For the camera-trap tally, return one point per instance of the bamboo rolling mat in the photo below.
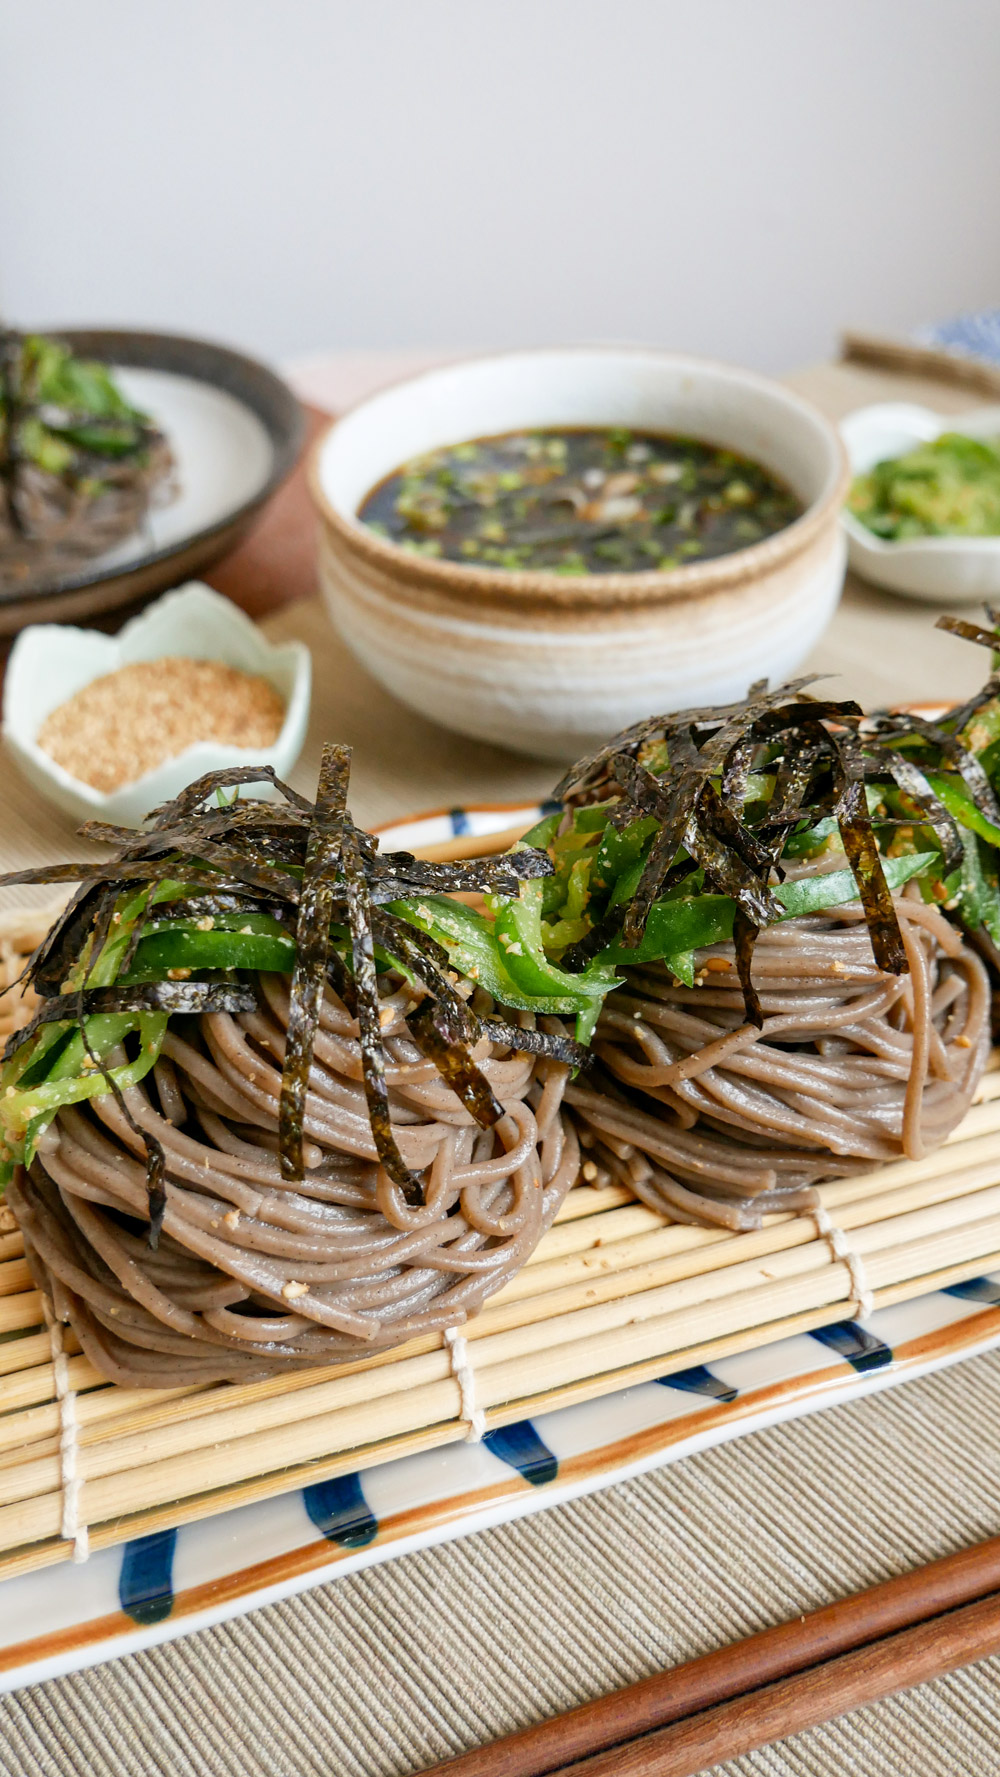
(613, 1295)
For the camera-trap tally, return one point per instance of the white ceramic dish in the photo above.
(551, 665)
(174, 1581)
(222, 451)
(941, 570)
(50, 662)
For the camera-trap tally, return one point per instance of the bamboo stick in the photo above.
(18, 1312)
(585, 1200)
(14, 1277)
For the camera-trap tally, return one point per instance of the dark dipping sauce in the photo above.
(588, 501)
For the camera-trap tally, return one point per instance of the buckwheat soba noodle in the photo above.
(709, 1119)
(259, 1122)
(252, 1272)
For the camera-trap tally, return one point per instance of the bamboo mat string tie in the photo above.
(72, 1530)
(841, 1249)
(461, 1369)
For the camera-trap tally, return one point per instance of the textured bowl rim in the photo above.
(455, 582)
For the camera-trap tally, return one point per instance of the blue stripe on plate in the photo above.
(975, 1289)
(699, 1380)
(145, 1583)
(550, 806)
(340, 1511)
(459, 821)
(862, 1349)
(521, 1447)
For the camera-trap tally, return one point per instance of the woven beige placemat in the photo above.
(392, 1668)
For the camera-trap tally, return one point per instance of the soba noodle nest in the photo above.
(707, 1119)
(62, 525)
(254, 1274)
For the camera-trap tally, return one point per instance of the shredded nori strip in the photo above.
(973, 632)
(821, 756)
(184, 997)
(454, 1064)
(745, 935)
(309, 868)
(909, 778)
(312, 935)
(863, 856)
(369, 1014)
(537, 1042)
(966, 764)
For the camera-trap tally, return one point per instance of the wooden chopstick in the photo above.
(746, 1678)
(806, 1699)
(904, 357)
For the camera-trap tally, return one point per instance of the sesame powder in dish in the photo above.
(128, 722)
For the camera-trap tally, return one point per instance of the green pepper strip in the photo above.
(471, 942)
(676, 927)
(959, 803)
(255, 941)
(27, 1113)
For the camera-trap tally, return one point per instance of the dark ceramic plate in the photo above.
(235, 430)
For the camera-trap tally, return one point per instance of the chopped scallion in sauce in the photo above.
(595, 501)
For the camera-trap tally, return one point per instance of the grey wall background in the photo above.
(725, 177)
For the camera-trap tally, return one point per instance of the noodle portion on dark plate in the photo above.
(79, 465)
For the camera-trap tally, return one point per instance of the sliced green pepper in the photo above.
(676, 927)
(953, 793)
(518, 931)
(252, 941)
(473, 945)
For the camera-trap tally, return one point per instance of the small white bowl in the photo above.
(50, 662)
(550, 664)
(941, 570)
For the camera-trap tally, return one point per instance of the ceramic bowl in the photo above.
(941, 570)
(50, 662)
(551, 665)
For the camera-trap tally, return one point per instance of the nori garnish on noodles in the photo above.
(821, 760)
(302, 872)
(317, 892)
